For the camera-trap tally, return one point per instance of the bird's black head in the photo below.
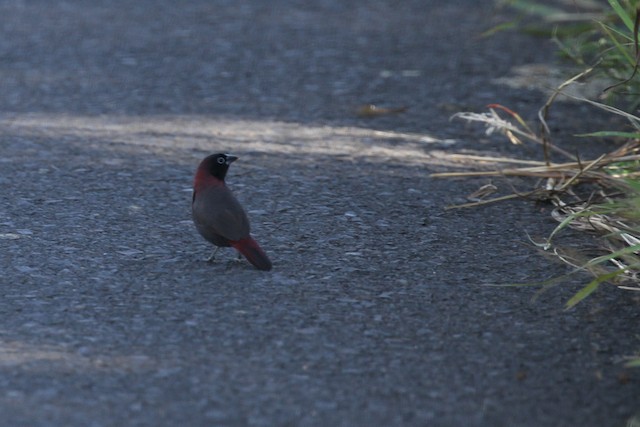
(218, 164)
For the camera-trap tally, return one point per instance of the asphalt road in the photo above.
(375, 313)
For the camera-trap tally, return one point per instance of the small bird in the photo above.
(218, 215)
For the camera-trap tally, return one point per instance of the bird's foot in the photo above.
(235, 261)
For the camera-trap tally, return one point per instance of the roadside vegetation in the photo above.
(597, 195)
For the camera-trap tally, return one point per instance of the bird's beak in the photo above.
(231, 159)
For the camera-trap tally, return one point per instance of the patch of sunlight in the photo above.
(162, 133)
(17, 354)
(546, 78)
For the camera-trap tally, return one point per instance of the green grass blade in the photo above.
(604, 258)
(611, 133)
(624, 16)
(623, 50)
(498, 28)
(634, 184)
(582, 294)
(613, 30)
(565, 222)
(535, 8)
(591, 288)
(633, 363)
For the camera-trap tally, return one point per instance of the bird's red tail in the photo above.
(253, 253)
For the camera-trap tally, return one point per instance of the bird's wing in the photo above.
(220, 212)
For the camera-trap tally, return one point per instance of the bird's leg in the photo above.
(213, 255)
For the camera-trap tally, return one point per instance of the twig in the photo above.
(544, 112)
(482, 202)
(581, 172)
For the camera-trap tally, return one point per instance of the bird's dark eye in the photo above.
(221, 160)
